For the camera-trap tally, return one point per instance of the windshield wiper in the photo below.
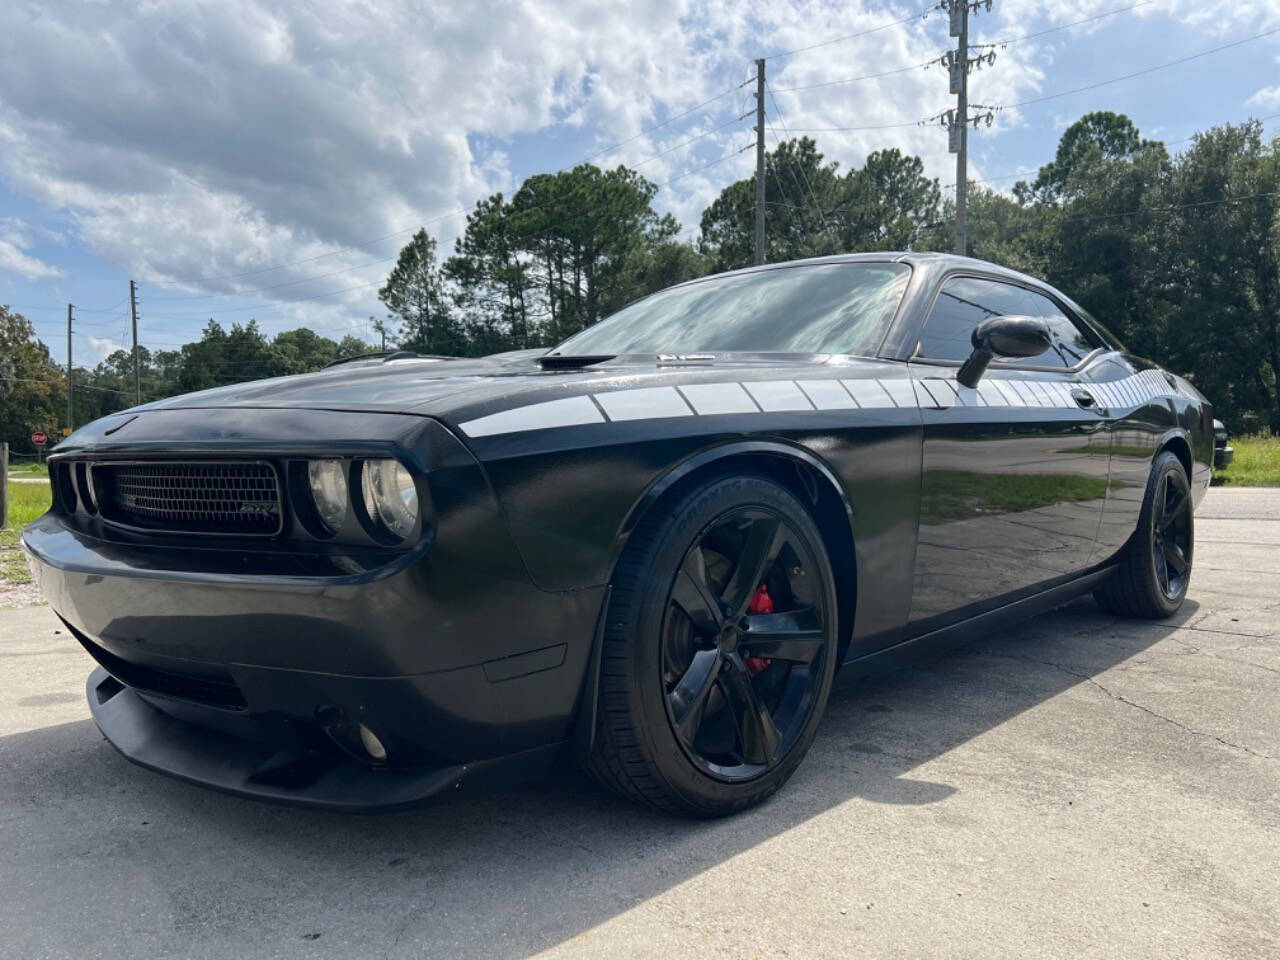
(550, 362)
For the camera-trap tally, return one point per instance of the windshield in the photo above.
(822, 308)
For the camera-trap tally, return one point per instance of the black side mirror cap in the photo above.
(1003, 337)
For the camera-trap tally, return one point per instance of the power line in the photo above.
(853, 36)
(1063, 93)
(61, 380)
(993, 43)
(1167, 143)
(1172, 207)
(223, 365)
(867, 76)
(822, 217)
(656, 126)
(1144, 72)
(277, 286)
(1065, 26)
(60, 309)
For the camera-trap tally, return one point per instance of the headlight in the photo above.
(390, 495)
(329, 490)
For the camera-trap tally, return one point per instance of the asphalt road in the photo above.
(1078, 786)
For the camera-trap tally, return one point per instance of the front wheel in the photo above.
(719, 650)
(1155, 570)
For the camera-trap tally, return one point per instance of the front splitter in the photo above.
(153, 739)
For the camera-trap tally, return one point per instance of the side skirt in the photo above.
(954, 635)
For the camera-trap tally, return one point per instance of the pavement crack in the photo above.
(399, 934)
(1111, 694)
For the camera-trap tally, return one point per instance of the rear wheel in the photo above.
(719, 650)
(1155, 571)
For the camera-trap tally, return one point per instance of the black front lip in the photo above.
(281, 774)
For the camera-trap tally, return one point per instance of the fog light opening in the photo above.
(354, 738)
(372, 745)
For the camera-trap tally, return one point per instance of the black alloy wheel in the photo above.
(1171, 541)
(743, 644)
(1154, 569)
(719, 648)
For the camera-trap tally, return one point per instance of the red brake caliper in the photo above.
(761, 602)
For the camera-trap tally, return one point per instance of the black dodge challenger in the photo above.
(650, 550)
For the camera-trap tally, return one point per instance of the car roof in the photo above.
(935, 263)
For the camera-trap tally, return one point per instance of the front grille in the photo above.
(211, 498)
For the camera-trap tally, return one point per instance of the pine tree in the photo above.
(415, 294)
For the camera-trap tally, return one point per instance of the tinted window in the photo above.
(964, 302)
(827, 308)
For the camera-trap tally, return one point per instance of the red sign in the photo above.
(39, 438)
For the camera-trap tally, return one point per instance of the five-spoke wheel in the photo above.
(1155, 567)
(719, 648)
(1171, 540)
(743, 643)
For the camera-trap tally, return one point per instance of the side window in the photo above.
(964, 302)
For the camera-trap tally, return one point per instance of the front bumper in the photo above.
(233, 652)
(286, 774)
(222, 673)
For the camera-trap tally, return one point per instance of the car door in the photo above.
(1014, 471)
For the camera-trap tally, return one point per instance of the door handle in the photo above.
(1086, 400)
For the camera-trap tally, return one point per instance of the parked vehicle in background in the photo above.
(1222, 452)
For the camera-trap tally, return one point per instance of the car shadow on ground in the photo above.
(498, 874)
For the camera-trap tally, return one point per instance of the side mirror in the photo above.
(1003, 337)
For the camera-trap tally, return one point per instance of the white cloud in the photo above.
(185, 139)
(17, 236)
(99, 349)
(1266, 97)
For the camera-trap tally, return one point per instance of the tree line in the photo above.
(1178, 254)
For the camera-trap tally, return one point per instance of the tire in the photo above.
(1141, 586)
(679, 725)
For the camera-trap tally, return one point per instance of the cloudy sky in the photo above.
(243, 159)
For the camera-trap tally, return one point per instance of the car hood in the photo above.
(398, 386)
(456, 388)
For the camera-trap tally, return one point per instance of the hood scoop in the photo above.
(572, 363)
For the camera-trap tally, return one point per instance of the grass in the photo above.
(955, 495)
(1256, 463)
(27, 468)
(26, 502)
(13, 567)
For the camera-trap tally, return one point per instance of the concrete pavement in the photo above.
(1076, 786)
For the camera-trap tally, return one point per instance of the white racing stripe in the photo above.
(711, 398)
(785, 396)
(827, 395)
(868, 393)
(643, 403)
(778, 396)
(569, 412)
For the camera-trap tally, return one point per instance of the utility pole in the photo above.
(760, 161)
(958, 63)
(133, 316)
(961, 65)
(70, 422)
